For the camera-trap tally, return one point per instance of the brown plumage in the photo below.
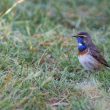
(94, 51)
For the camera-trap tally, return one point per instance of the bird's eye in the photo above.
(81, 37)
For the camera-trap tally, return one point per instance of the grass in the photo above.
(39, 69)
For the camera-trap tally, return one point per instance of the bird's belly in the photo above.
(89, 62)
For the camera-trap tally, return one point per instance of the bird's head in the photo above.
(83, 39)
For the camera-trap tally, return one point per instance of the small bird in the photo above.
(88, 54)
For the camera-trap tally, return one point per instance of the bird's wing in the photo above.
(97, 55)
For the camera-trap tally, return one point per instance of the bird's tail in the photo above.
(108, 66)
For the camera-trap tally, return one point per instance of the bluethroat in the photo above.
(88, 54)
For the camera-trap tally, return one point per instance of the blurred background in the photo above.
(37, 16)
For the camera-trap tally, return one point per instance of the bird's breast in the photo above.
(88, 61)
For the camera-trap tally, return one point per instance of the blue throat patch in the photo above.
(81, 45)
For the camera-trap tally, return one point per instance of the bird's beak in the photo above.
(74, 36)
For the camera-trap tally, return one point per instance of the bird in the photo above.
(89, 55)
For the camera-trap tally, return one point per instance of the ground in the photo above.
(39, 68)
